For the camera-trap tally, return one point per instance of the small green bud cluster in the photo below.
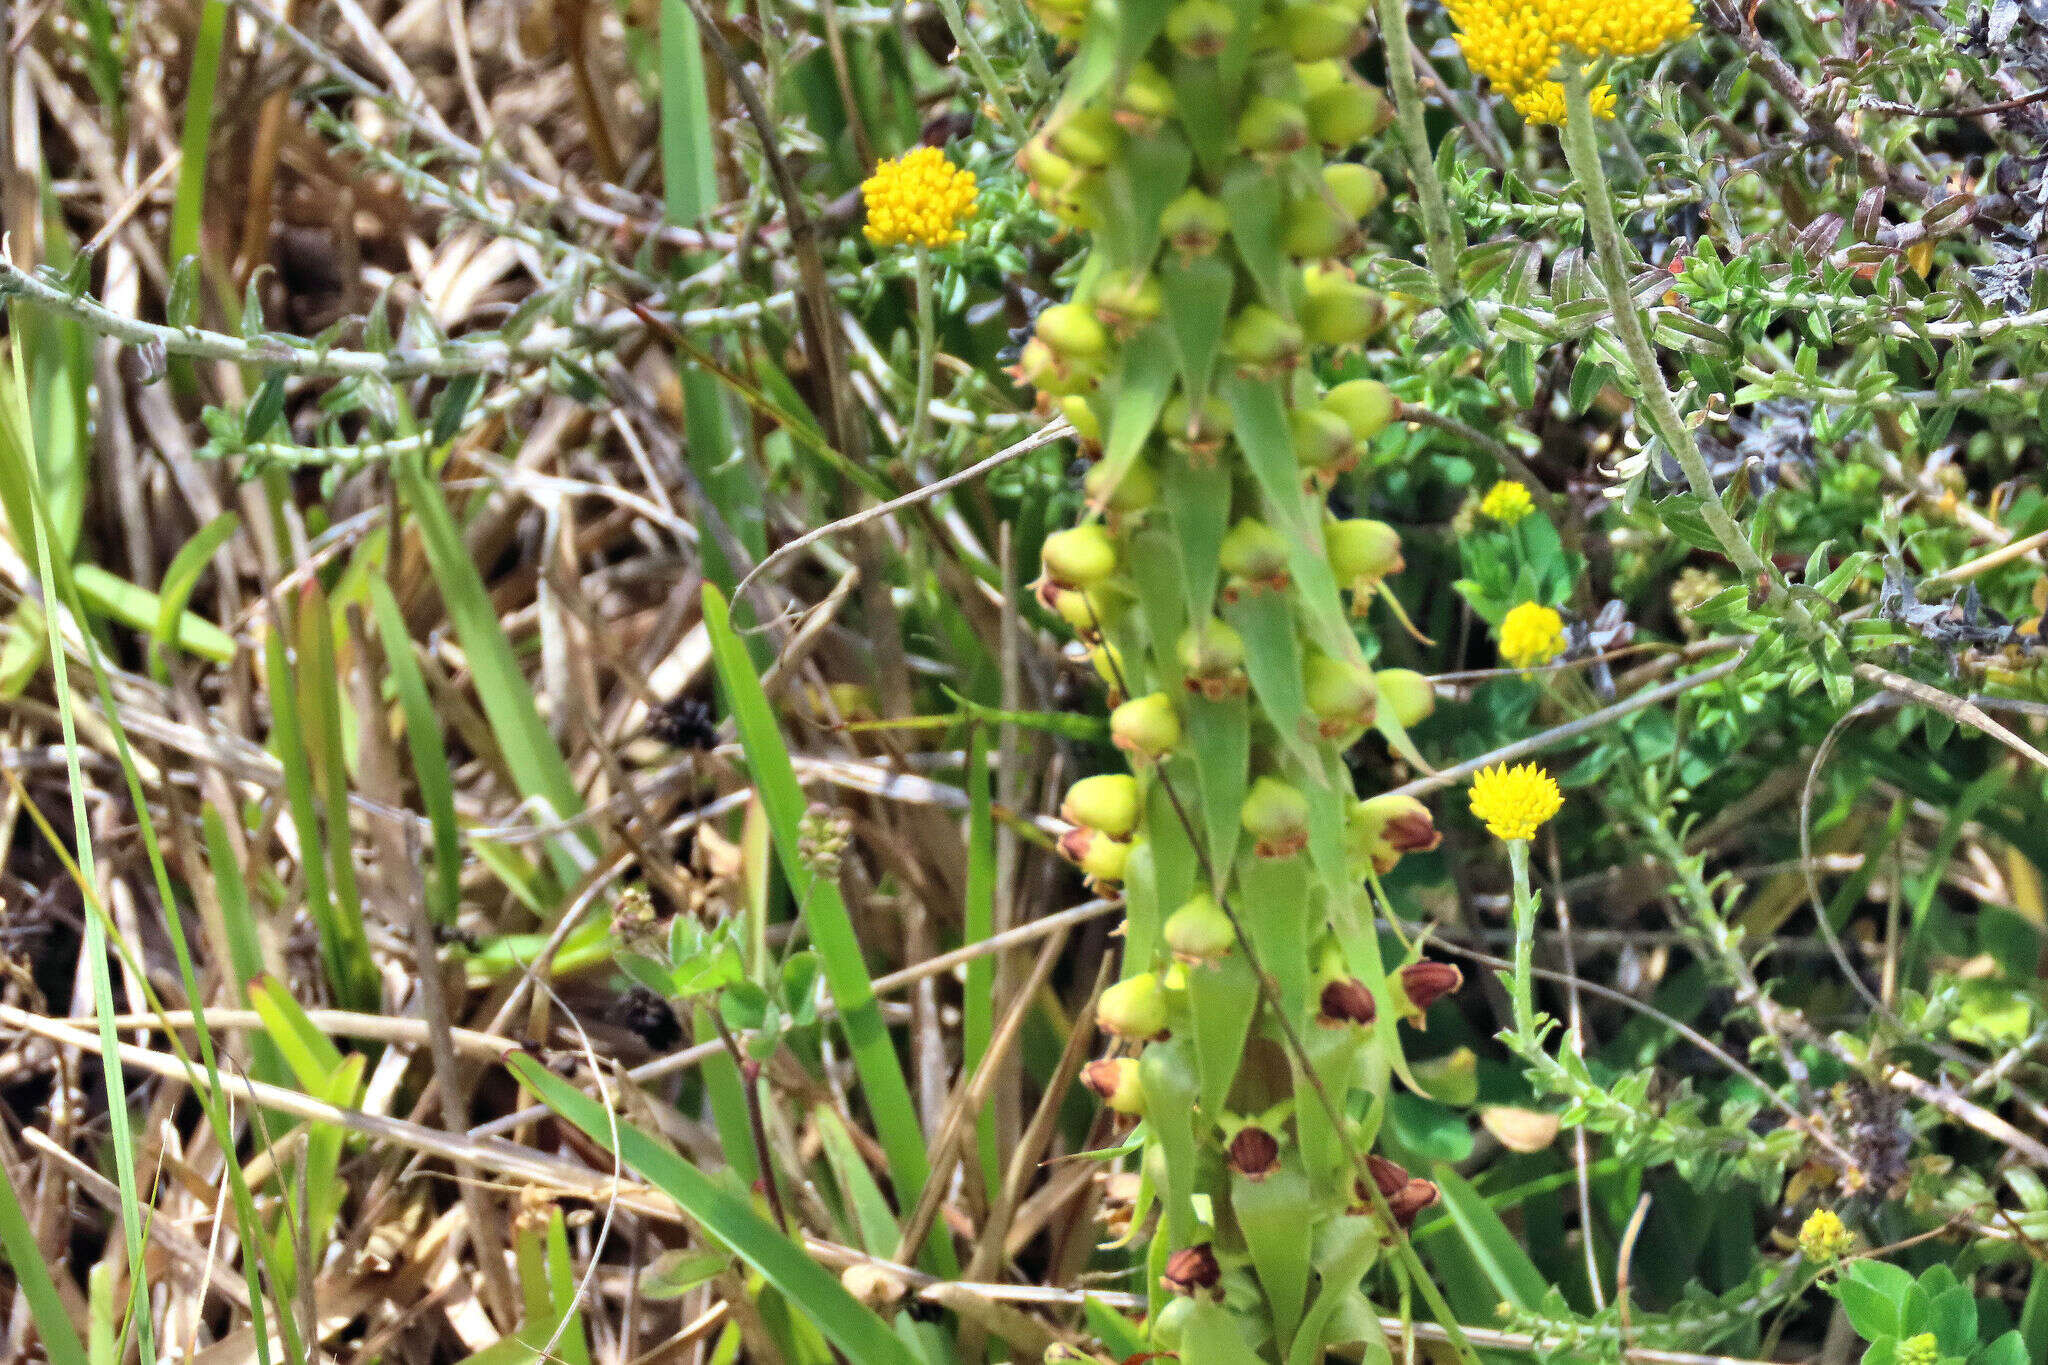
(1233, 124)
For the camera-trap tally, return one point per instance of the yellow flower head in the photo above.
(1924, 1349)
(1514, 802)
(1518, 44)
(918, 199)
(1531, 634)
(1507, 502)
(1823, 1238)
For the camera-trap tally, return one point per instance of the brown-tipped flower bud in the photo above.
(1088, 137)
(1411, 1199)
(1425, 983)
(1193, 1271)
(1201, 28)
(1126, 300)
(1313, 228)
(1362, 552)
(1197, 432)
(1272, 127)
(1079, 557)
(1390, 1176)
(1254, 1152)
(1318, 31)
(1199, 932)
(1275, 814)
(1073, 333)
(1340, 694)
(1346, 1001)
(1406, 694)
(1100, 858)
(1358, 190)
(1262, 342)
(1194, 224)
(1381, 829)
(1253, 553)
(1135, 1008)
(1147, 728)
(1115, 1081)
(1122, 492)
(1146, 99)
(1323, 443)
(1339, 312)
(1366, 405)
(1107, 802)
(1347, 115)
(1211, 654)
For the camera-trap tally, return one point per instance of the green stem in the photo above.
(1582, 153)
(1441, 241)
(927, 357)
(978, 63)
(1526, 902)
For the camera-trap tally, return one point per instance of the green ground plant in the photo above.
(1256, 680)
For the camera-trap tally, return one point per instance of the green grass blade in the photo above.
(978, 1004)
(831, 928)
(179, 581)
(536, 765)
(32, 1274)
(429, 756)
(816, 1292)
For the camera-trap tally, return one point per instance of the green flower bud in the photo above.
(1080, 415)
(1340, 694)
(1147, 728)
(1106, 803)
(1318, 78)
(1079, 557)
(1088, 137)
(1408, 696)
(1254, 553)
(1346, 116)
(1194, 223)
(1199, 932)
(1263, 342)
(1276, 816)
(1146, 99)
(1362, 552)
(1272, 127)
(1314, 228)
(1100, 858)
(1049, 172)
(1366, 405)
(1086, 613)
(1198, 433)
(1323, 442)
(1134, 1009)
(1039, 367)
(1211, 653)
(1125, 301)
(1072, 332)
(1115, 1081)
(1378, 831)
(1358, 190)
(1201, 28)
(1106, 659)
(1136, 491)
(1318, 31)
(1169, 1328)
(1338, 312)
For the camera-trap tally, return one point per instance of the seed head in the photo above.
(1531, 634)
(918, 199)
(1507, 502)
(1513, 803)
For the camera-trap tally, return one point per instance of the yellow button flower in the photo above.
(1518, 44)
(1531, 634)
(1514, 802)
(1507, 502)
(1823, 1238)
(918, 199)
